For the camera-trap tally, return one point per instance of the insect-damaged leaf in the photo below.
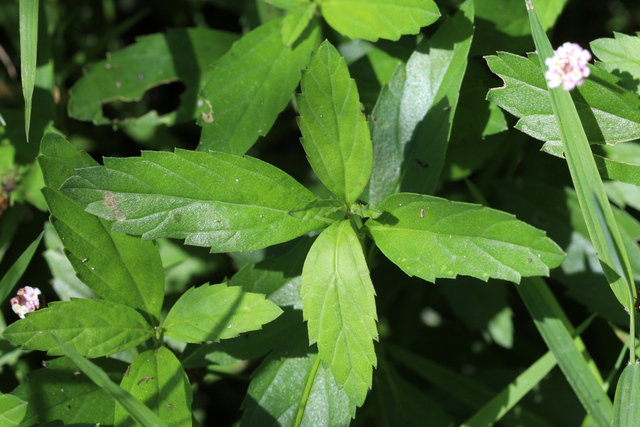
(215, 199)
(250, 85)
(184, 55)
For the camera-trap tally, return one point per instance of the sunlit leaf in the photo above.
(157, 379)
(93, 327)
(434, 238)
(339, 304)
(212, 312)
(374, 19)
(250, 85)
(116, 266)
(228, 202)
(334, 129)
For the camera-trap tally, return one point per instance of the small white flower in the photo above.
(26, 301)
(568, 66)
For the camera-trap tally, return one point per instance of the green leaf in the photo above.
(15, 272)
(228, 202)
(607, 115)
(273, 398)
(184, 55)
(28, 54)
(156, 378)
(211, 313)
(434, 238)
(339, 304)
(413, 116)
(64, 393)
(136, 409)
(12, 410)
(65, 282)
(93, 327)
(116, 266)
(374, 19)
(296, 21)
(334, 129)
(621, 57)
(626, 410)
(326, 210)
(250, 85)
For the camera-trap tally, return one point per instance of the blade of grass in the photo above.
(28, 54)
(461, 387)
(626, 409)
(140, 412)
(504, 401)
(588, 183)
(555, 329)
(18, 268)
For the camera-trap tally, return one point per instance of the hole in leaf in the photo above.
(164, 99)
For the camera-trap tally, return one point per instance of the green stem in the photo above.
(307, 391)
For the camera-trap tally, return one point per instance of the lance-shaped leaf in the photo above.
(626, 411)
(314, 398)
(214, 312)
(374, 19)
(250, 85)
(334, 129)
(608, 114)
(338, 301)
(93, 327)
(227, 202)
(435, 238)
(184, 55)
(413, 116)
(15, 272)
(63, 393)
(28, 54)
(116, 266)
(157, 379)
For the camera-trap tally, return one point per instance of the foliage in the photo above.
(160, 149)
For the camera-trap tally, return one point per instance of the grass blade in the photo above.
(555, 330)
(135, 408)
(588, 185)
(28, 54)
(18, 268)
(626, 408)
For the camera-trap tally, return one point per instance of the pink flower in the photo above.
(26, 301)
(568, 66)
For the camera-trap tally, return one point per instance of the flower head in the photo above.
(26, 301)
(568, 66)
